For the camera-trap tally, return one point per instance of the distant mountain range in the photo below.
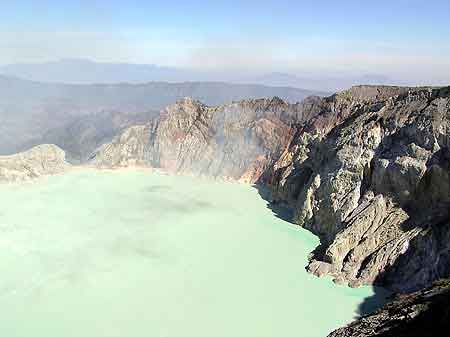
(80, 71)
(33, 112)
(327, 83)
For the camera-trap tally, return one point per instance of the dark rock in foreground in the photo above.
(425, 313)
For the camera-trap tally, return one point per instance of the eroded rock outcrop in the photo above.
(40, 160)
(370, 176)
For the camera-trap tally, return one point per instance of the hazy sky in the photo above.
(399, 38)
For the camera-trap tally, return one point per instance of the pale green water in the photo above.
(105, 254)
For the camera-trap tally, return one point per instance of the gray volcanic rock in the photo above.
(425, 313)
(369, 174)
(235, 141)
(40, 160)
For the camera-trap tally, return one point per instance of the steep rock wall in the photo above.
(370, 176)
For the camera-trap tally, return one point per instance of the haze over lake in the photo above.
(133, 253)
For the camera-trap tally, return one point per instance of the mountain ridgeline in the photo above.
(79, 118)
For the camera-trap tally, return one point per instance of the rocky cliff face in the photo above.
(234, 141)
(425, 313)
(38, 161)
(370, 175)
(366, 169)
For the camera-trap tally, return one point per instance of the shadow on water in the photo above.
(279, 209)
(372, 303)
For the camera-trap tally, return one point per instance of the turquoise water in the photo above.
(131, 253)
